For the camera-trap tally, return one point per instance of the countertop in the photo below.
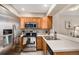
(64, 44)
(63, 36)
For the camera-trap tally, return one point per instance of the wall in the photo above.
(59, 22)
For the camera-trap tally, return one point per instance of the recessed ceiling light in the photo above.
(22, 9)
(74, 9)
(45, 5)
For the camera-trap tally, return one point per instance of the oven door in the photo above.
(7, 39)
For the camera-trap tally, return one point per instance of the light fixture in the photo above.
(74, 9)
(22, 9)
(45, 5)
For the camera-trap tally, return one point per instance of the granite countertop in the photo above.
(62, 45)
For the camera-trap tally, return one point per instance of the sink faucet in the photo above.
(55, 35)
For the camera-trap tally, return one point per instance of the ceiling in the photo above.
(36, 10)
(24, 9)
(73, 9)
(39, 10)
(57, 8)
(31, 8)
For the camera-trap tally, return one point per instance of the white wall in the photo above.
(59, 22)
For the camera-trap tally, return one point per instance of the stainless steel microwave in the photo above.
(30, 25)
(7, 31)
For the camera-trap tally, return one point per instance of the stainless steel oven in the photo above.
(7, 37)
(30, 41)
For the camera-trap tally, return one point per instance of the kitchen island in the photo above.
(64, 46)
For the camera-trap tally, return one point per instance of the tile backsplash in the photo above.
(38, 31)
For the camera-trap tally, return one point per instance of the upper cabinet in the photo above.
(33, 20)
(46, 22)
(42, 23)
(50, 22)
(22, 22)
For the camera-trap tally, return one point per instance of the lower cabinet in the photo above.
(45, 48)
(21, 43)
(39, 43)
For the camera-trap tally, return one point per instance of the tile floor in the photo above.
(32, 53)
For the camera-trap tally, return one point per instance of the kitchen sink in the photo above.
(51, 38)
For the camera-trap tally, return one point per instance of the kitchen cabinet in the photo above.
(39, 43)
(20, 43)
(38, 22)
(22, 22)
(42, 23)
(45, 48)
(46, 22)
(50, 22)
(33, 20)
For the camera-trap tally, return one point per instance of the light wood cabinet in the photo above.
(46, 22)
(42, 23)
(22, 22)
(38, 22)
(44, 47)
(33, 20)
(21, 43)
(39, 43)
(50, 22)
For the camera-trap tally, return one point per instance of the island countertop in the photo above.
(62, 45)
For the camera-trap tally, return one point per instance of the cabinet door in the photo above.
(28, 19)
(39, 43)
(33, 20)
(44, 23)
(49, 22)
(21, 43)
(22, 22)
(44, 47)
(38, 22)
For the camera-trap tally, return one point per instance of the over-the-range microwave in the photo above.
(31, 25)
